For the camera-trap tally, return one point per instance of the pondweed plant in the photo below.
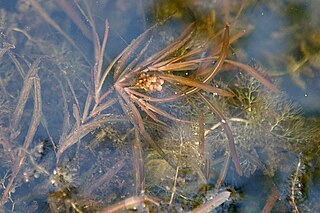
(152, 86)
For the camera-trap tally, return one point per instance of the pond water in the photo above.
(159, 106)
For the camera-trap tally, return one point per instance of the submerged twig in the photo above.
(130, 203)
(213, 203)
(271, 201)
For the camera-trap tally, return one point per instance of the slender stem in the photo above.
(255, 74)
(100, 61)
(28, 139)
(227, 130)
(223, 172)
(72, 13)
(50, 21)
(174, 188)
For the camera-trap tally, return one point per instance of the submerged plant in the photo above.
(151, 83)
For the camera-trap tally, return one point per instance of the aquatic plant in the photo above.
(151, 86)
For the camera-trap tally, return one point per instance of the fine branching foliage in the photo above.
(88, 131)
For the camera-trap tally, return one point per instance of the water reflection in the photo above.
(285, 43)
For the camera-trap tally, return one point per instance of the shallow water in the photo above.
(276, 135)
